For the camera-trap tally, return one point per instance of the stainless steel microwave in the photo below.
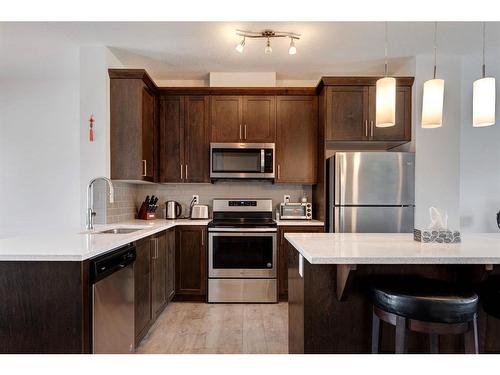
(242, 160)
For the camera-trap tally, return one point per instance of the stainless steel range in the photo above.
(242, 251)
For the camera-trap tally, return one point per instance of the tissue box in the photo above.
(438, 236)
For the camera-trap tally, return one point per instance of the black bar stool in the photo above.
(424, 305)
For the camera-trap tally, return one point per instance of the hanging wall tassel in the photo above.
(91, 126)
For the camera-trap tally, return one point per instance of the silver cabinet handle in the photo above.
(245, 131)
(371, 130)
(240, 131)
(202, 237)
(186, 172)
(366, 128)
(181, 172)
(144, 168)
(279, 172)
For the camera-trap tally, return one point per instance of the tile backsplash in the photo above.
(128, 196)
(183, 193)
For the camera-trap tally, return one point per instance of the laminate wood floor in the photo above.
(194, 328)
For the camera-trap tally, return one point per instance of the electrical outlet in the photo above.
(286, 198)
(196, 199)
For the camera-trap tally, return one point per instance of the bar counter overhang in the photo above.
(328, 275)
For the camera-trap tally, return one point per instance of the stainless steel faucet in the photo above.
(90, 200)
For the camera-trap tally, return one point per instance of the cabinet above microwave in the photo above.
(242, 160)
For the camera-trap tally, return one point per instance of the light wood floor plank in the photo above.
(197, 328)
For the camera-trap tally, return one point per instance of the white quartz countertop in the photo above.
(58, 246)
(300, 223)
(394, 248)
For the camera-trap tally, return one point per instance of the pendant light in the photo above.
(385, 102)
(432, 106)
(483, 96)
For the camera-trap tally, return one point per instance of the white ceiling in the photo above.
(190, 50)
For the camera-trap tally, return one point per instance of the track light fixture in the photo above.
(240, 46)
(268, 35)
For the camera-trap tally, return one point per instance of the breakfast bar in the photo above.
(329, 275)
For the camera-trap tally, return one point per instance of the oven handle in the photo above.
(254, 230)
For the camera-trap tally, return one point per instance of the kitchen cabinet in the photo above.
(249, 118)
(142, 288)
(297, 140)
(184, 139)
(170, 279)
(133, 130)
(191, 263)
(349, 112)
(159, 257)
(283, 251)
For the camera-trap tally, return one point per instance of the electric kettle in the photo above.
(173, 210)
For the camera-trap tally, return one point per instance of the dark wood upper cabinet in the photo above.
(402, 129)
(349, 109)
(297, 139)
(133, 130)
(191, 263)
(171, 138)
(184, 139)
(259, 119)
(347, 113)
(159, 254)
(197, 139)
(142, 288)
(226, 118)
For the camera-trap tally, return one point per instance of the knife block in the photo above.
(144, 214)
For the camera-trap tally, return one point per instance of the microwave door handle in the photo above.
(262, 160)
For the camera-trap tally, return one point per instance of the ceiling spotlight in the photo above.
(292, 50)
(240, 46)
(268, 50)
(268, 35)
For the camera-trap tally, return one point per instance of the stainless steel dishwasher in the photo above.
(112, 278)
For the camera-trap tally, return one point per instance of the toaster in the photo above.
(199, 211)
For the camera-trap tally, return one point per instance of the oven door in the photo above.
(242, 254)
(242, 160)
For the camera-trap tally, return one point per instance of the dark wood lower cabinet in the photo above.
(142, 288)
(170, 279)
(159, 257)
(191, 263)
(283, 250)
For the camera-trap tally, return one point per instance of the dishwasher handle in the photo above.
(105, 265)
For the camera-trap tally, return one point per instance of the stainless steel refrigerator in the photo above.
(371, 192)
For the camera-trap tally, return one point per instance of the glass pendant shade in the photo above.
(432, 108)
(483, 102)
(385, 103)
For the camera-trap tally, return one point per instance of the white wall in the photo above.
(480, 155)
(94, 99)
(437, 174)
(39, 143)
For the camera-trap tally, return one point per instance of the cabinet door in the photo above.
(142, 287)
(296, 153)
(347, 113)
(170, 280)
(196, 139)
(190, 262)
(259, 119)
(283, 249)
(401, 131)
(226, 119)
(159, 273)
(172, 139)
(148, 134)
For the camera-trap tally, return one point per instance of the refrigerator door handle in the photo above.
(339, 178)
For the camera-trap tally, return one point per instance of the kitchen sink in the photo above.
(119, 231)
